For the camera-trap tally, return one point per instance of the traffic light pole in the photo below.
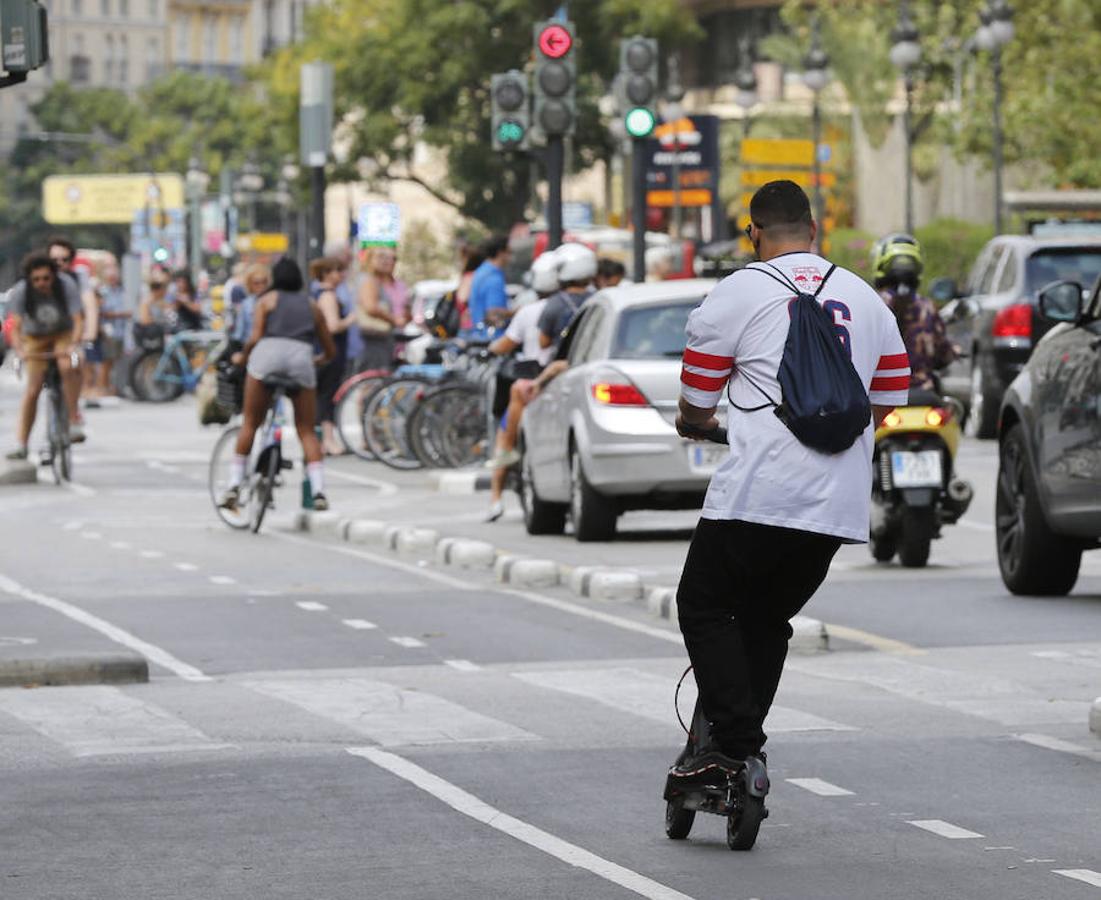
(317, 213)
(638, 207)
(556, 159)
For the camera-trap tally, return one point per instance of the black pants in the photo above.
(329, 378)
(741, 584)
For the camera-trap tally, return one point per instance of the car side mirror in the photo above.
(943, 289)
(1061, 301)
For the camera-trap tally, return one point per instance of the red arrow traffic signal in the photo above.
(555, 42)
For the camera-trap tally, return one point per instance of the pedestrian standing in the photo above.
(381, 309)
(328, 274)
(488, 303)
(113, 316)
(186, 310)
(776, 510)
(256, 279)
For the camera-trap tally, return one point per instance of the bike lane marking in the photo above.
(119, 635)
(944, 829)
(819, 787)
(471, 806)
(1088, 876)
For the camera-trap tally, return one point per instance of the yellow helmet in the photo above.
(897, 259)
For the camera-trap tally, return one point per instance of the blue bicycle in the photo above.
(162, 374)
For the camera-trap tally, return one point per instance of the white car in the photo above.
(599, 439)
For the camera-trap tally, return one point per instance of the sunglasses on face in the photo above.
(158, 285)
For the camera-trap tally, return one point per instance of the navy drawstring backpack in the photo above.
(823, 401)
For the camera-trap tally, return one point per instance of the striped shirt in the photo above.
(769, 476)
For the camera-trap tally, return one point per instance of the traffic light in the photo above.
(511, 118)
(555, 78)
(638, 84)
(24, 38)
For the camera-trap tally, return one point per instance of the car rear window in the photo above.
(1080, 264)
(653, 332)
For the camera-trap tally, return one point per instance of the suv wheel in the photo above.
(594, 515)
(982, 420)
(1032, 558)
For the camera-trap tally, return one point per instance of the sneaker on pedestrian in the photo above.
(504, 459)
(496, 510)
(76, 433)
(19, 453)
(320, 503)
(230, 499)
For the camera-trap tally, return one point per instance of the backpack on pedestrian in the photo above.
(823, 402)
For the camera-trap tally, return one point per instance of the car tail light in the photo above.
(618, 394)
(1013, 321)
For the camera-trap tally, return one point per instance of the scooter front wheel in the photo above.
(678, 820)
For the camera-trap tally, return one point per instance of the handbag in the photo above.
(369, 324)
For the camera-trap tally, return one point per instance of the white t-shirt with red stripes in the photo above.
(770, 477)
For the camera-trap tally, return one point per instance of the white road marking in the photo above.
(975, 526)
(264, 592)
(360, 624)
(819, 787)
(389, 715)
(471, 806)
(311, 606)
(1053, 743)
(152, 652)
(81, 490)
(385, 488)
(120, 545)
(649, 696)
(463, 665)
(409, 642)
(99, 721)
(162, 467)
(152, 554)
(72, 526)
(91, 535)
(222, 579)
(186, 566)
(945, 829)
(1085, 875)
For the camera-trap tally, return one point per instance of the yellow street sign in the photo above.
(263, 242)
(777, 152)
(757, 177)
(108, 199)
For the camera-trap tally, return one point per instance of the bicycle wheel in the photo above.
(218, 480)
(152, 385)
(351, 402)
(386, 418)
(56, 433)
(464, 436)
(425, 429)
(267, 470)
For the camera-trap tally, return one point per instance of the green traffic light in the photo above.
(639, 122)
(510, 132)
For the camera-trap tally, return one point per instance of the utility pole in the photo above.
(315, 141)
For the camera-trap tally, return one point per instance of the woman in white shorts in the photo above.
(286, 328)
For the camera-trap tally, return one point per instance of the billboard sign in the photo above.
(108, 199)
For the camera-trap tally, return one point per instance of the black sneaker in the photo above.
(320, 503)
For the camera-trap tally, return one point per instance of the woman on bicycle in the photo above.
(286, 327)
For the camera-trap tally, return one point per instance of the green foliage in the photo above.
(410, 72)
(951, 247)
(423, 254)
(849, 248)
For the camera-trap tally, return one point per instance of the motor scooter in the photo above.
(915, 490)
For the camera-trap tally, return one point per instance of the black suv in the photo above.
(1048, 506)
(997, 323)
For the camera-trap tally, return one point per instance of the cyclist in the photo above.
(48, 318)
(897, 264)
(287, 325)
(576, 271)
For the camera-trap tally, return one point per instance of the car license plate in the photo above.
(705, 458)
(916, 469)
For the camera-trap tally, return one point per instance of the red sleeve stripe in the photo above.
(702, 382)
(893, 383)
(706, 360)
(894, 361)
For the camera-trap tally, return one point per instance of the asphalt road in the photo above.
(328, 723)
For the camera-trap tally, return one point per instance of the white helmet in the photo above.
(576, 262)
(544, 273)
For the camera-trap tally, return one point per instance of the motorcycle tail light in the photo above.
(1013, 321)
(618, 394)
(892, 420)
(938, 416)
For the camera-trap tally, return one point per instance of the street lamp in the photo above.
(745, 80)
(994, 33)
(674, 112)
(288, 175)
(905, 55)
(250, 183)
(816, 76)
(197, 181)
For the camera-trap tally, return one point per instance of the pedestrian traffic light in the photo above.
(24, 38)
(638, 84)
(511, 117)
(555, 78)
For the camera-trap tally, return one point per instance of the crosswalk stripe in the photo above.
(651, 696)
(407, 642)
(944, 829)
(100, 720)
(462, 665)
(389, 715)
(359, 624)
(1085, 875)
(819, 787)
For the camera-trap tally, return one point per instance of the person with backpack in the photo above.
(810, 359)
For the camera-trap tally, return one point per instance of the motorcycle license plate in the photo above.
(910, 469)
(705, 458)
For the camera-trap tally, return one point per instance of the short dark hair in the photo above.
(286, 276)
(610, 268)
(185, 276)
(781, 206)
(59, 240)
(473, 259)
(37, 259)
(494, 246)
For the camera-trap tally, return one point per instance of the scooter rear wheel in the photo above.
(678, 820)
(743, 824)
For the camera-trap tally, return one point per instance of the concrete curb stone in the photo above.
(366, 531)
(1095, 717)
(66, 670)
(605, 584)
(410, 541)
(466, 553)
(526, 571)
(464, 481)
(18, 472)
